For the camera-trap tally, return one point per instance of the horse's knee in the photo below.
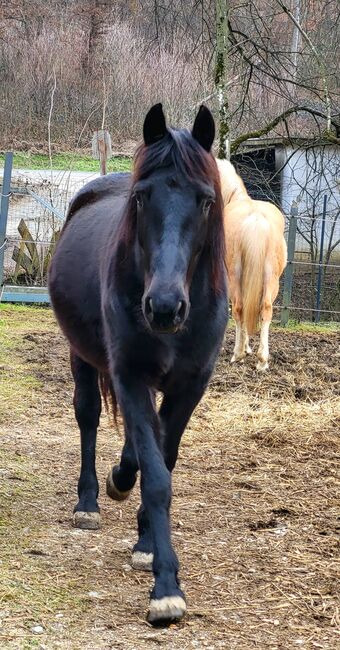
(157, 490)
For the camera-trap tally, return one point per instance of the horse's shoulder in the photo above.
(113, 185)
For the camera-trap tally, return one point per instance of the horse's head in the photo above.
(176, 191)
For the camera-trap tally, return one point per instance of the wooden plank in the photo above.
(30, 244)
(22, 260)
(50, 250)
(21, 251)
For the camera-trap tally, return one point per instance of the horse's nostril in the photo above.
(149, 309)
(181, 309)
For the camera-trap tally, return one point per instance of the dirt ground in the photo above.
(255, 512)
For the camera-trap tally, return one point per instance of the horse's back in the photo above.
(74, 276)
(258, 223)
(112, 185)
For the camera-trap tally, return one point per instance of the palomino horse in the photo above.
(138, 285)
(256, 255)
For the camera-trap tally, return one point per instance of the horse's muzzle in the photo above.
(164, 315)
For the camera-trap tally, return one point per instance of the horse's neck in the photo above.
(232, 186)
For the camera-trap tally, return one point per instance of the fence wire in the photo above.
(37, 207)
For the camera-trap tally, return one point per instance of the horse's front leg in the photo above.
(175, 412)
(142, 430)
(122, 478)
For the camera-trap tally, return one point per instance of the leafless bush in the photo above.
(135, 75)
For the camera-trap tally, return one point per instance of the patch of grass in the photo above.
(316, 328)
(16, 392)
(18, 387)
(68, 161)
(296, 326)
(32, 590)
(25, 317)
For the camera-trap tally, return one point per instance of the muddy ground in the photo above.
(255, 508)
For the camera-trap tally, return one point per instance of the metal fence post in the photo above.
(288, 277)
(320, 273)
(6, 190)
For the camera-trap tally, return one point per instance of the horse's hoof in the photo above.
(237, 359)
(261, 366)
(86, 520)
(249, 350)
(113, 492)
(163, 611)
(142, 561)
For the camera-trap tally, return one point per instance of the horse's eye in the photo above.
(206, 205)
(139, 199)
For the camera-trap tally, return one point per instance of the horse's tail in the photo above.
(254, 237)
(108, 393)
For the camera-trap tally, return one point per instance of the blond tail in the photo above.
(254, 244)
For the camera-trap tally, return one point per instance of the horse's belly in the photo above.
(75, 295)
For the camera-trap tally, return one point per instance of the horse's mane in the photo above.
(180, 149)
(232, 185)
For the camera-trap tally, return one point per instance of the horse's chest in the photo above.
(152, 360)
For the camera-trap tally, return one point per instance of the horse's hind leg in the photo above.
(246, 342)
(263, 351)
(241, 338)
(242, 347)
(87, 407)
(270, 294)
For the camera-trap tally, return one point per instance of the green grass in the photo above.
(27, 591)
(306, 326)
(19, 386)
(68, 161)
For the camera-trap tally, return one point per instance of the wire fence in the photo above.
(34, 206)
(312, 277)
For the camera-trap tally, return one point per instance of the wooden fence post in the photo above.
(288, 277)
(5, 194)
(101, 148)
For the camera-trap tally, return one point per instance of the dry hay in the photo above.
(255, 513)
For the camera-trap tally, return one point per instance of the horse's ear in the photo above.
(154, 128)
(204, 128)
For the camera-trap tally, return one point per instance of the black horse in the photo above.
(138, 285)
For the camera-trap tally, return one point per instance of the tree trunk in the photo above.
(221, 72)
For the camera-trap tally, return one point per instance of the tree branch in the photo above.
(318, 59)
(271, 125)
